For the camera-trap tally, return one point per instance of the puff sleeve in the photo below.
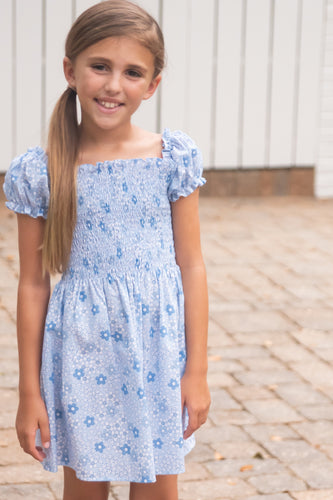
(26, 184)
(187, 167)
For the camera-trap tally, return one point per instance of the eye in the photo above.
(99, 67)
(133, 73)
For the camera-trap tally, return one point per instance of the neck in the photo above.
(92, 138)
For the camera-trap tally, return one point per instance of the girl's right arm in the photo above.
(32, 300)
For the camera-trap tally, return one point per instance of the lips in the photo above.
(109, 104)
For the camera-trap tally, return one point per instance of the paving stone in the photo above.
(320, 319)
(254, 322)
(262, 338)
(315, 412)
(265, 377)
(267, 363)
(225, 433)
(27, 491)
(316, 433)
(278, 496)
(218, 379)
(262, 433)
(276, 483)
(290, 351)
(220, 417)
(314, 338)
(215, 489)
(201, 453)
(313, 495)
(221, 400)
(243, 449)
(243, 351)
(244, 468)
(301, 393)
(317, 372)
(292, 450)
(317, 473)
(242, 392)
(272, 411)
(27, 473)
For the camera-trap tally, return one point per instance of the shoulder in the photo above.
(26, 183)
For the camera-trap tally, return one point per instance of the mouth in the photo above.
(108, 104)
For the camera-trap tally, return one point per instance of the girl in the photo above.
(110, 385)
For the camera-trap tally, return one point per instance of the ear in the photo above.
(69, 72)
(152, 87)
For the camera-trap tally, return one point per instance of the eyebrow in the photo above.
(104, 60)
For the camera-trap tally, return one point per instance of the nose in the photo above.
(113, 83)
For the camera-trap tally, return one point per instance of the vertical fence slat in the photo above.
(146, 115)
(283, 81)
(255, 82)
(228, 83)
(175, 80)
(81, 5)
(58, 22)
(309, 82)
(6, 124)
(29, 73)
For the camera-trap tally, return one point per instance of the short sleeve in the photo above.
(186, 162)
(26, 184)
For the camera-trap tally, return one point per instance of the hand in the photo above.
(31, 415)
(196, 398)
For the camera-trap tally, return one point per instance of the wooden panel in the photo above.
(255, 82)
(58, 22)
(309, 83)
(228, 83)
(147, 114)
(81, 5)
(200, 74)
(283, 83)
(29, 73)
(6, 62)
(176, 78)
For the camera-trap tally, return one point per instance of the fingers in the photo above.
(45, 432)
(196, 418)
(27, 439)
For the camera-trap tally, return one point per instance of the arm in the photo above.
(32, 300)
(186, 230)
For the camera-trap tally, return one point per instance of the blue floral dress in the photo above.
(114, 343)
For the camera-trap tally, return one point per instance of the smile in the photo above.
(109, 105)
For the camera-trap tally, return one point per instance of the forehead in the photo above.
(125, 49)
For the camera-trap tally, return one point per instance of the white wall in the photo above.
(250, 80)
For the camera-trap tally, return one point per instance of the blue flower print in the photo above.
(142, 222)
(170, 309)
(140, 393)
(119, 253)
(110, 278)
(173, 383)
(89, 421)
(95, 309)
(82, 296)
(80, 200)
(124, 389)
(163, 331)
(72, 408)
(134, 199)
(151, 377)
(194, 153)
(135, 432)
(126, 450)
(151, 332)
(180, 442)
(51, 379)
(100, 447)
(145, 309)
(105, 335)
(145, 479)
(96, 270)
(137, 263)
(117, 336)
(124, 315)
(56, 357)
(136, 366)
(147, 266)
(158, 443)
(125, 187)
(156, 200)
(102, 226)
(105, 206)
(182, 355)
(152, 221)
(101, 379)
(85, 262)
(186, 160)
(89, 225)
(78, 373)
(58, 414)
(51, 326)
(65, 458)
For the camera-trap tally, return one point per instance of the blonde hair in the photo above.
(103, 20)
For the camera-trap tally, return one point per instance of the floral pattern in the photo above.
(114, 344)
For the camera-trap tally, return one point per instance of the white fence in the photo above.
(248, 79)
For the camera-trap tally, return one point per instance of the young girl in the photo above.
(113, 366)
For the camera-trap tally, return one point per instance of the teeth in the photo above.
(109, 104)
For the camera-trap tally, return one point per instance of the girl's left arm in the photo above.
(186, 231)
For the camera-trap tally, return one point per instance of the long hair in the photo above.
(111, 18)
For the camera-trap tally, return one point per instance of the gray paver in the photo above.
(270, 430)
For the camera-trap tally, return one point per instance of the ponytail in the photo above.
(63, 145)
